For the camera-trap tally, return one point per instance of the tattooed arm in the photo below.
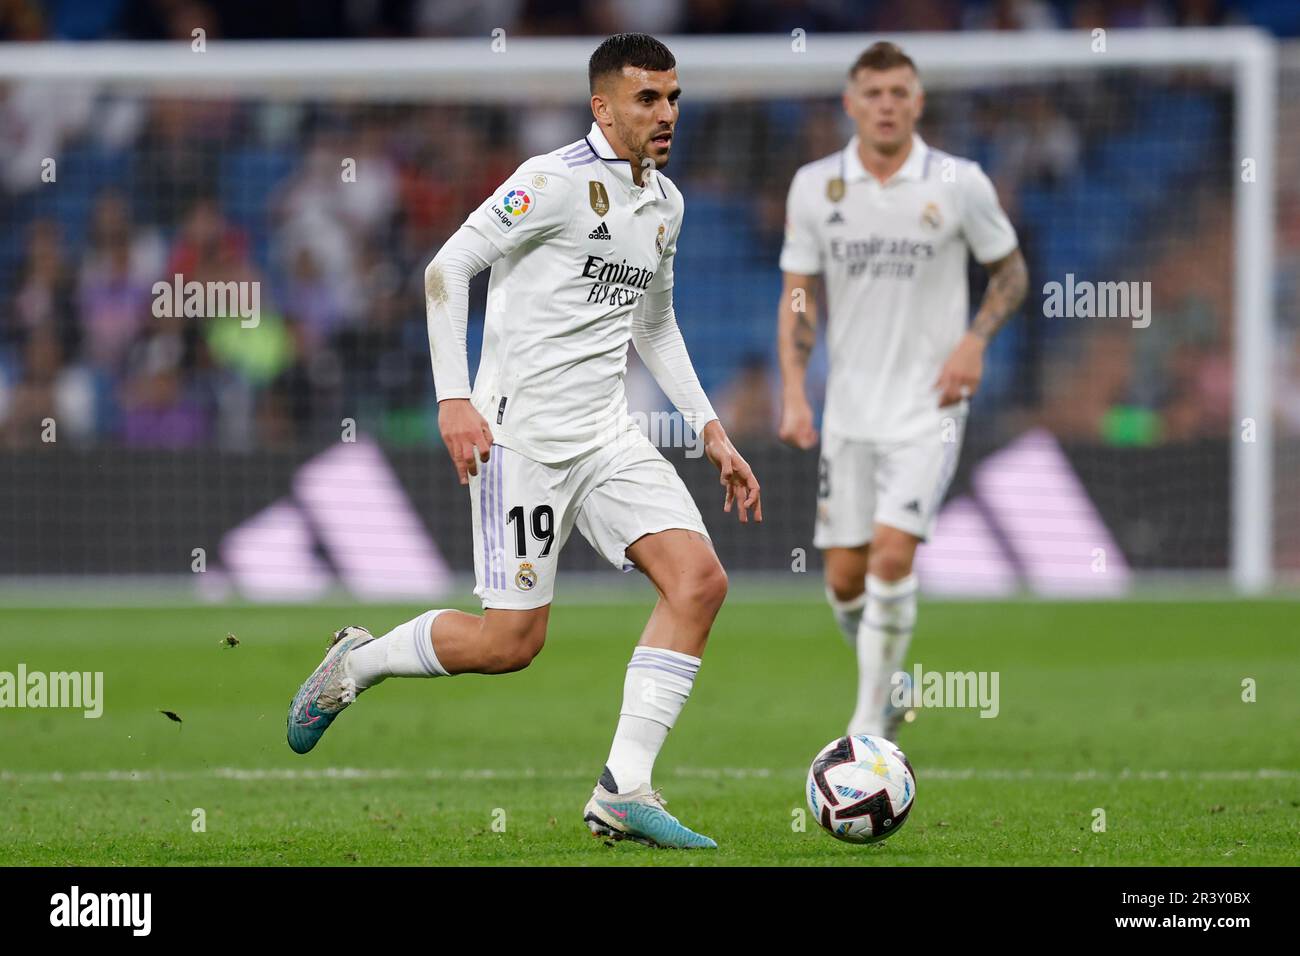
(1008, 283)
(796, 334)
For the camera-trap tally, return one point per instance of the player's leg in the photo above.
(842, 531)
(516, 595)
(845, 571)
(692, 586)
(885, 630)
(498, 642)
(912, 479)
(641, 515)
(440, 643)
(846, 503)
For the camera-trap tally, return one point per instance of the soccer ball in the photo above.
(861, 788)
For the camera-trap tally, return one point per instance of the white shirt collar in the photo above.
(622, 168)
(913, 167)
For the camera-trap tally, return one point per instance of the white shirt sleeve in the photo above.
(985, 226)
(446, 302)
(534, 204)
(801, 253)
(658, 341)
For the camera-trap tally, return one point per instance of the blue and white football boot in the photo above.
(326, 692)
(638, 815)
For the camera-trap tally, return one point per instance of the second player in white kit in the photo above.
(887, 223)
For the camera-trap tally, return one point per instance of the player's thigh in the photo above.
(846, 495)
(522, 511)
(683, 567)
(913, 478)
(635, 497)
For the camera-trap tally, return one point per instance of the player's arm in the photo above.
(796, 336)
(658, 341)
(991, 238)
(796, 318)
(534, 205)
(465, 432)
(1008, 283)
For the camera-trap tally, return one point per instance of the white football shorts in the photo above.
(523, 511)
(900, 484)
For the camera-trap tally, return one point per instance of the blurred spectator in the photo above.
(117, 276)
(159, 407)
(750, 403)
(1036, 146)
(49, 394)
(36, 119)
(44, 300)
(208, 248)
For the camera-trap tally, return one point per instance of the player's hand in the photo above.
(797, 422)
(961, 374)
(466, 434)
(734, 473)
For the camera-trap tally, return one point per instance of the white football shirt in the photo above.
(893, 256)
(581, 246)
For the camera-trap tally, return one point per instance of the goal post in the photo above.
(778, 68)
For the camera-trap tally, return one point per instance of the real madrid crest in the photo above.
(526, 578)
(930, 217)
(599, 198)
(835, 189)
(659, 239)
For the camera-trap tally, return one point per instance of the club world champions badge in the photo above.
(599, 198)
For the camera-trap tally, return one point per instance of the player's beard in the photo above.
(640, 148)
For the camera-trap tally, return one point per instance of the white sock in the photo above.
(848, 615)
(405, 651)
(883, 638)
(655, 689)
(898, 614)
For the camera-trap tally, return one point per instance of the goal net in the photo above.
(213, 359)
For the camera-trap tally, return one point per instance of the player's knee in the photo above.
(845, 584)
(891, 557)
(513, 647)
(703, 592)
(890, 562)
(510, 656)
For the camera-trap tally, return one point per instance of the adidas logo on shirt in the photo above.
(835, 219)
(913, 506)
(600, 232)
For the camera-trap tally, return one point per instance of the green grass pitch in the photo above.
(1132, 708)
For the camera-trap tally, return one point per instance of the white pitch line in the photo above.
(252, 774)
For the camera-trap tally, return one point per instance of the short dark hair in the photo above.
(882, 56)
(628, 49)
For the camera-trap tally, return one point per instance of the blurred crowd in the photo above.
(316, 19)
(255, 191)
